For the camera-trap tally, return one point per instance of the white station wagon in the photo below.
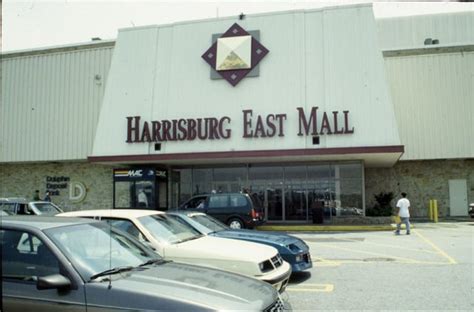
(179, 242)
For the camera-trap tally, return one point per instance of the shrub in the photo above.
(382, 208)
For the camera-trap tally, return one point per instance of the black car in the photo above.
(238, 210)
(69, 264)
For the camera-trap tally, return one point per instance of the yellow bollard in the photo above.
(435, 210)
(430, 212)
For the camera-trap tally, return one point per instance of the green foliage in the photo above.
(382, 208)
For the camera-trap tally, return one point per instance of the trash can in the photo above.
(318, 212)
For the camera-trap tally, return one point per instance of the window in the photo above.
(218, 201)
(95, 247)
(25, 257)
(237, 201)
(167, 230)
(48, 209)
(195, 202)
(9, 208)
(127, 226)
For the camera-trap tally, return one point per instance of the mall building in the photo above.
(328, 106)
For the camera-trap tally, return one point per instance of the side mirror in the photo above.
(54, 281)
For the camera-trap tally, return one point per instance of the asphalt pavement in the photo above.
(431, 270)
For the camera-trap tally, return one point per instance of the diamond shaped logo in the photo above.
(235, 54)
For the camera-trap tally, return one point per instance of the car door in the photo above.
(25, 257)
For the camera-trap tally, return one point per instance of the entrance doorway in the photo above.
(143, 188)
(272, 200)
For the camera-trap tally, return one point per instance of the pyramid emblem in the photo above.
(234, 53)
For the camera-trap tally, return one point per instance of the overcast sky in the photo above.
(41, 23)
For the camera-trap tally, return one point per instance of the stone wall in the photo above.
(422, 181)
(21, 180)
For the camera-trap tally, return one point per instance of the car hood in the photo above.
(174, 286)
(217, 248)
(262, 237)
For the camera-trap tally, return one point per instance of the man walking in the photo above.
(403, 206)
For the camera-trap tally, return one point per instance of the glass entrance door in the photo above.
(267, 183)
(274, 210)
(296, 202)
(272, 200)
(296, 195)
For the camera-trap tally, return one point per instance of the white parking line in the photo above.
(312, 288)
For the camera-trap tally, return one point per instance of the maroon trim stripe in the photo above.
(242, 154)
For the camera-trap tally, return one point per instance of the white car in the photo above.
(179, 242)
(22, 206)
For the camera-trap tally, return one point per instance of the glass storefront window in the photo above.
(287, 193)
(181, 186)
(229, 180)
(270, 174)
(351, 171)
(351, 197)
(202, 181)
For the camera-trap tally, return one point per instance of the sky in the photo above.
(30, 24)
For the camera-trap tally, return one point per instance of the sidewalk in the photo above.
(307, 227)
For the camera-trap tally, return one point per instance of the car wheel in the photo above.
(235, 223)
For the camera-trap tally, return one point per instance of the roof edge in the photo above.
(58, 49)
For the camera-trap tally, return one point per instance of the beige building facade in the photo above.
(303, 107)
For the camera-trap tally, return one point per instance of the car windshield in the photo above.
(168, 230)
(47, 209)
(213, 225)
(94, 248)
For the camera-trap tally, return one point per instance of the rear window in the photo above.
(47, 209)
(257, 204)
(237, 201)
(8, 208)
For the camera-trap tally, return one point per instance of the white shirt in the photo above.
(403, 204)
(142, 198)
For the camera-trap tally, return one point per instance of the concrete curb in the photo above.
(329, 228)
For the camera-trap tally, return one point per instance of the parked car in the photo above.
(69, 264)
(180, 242)
(21, 206)
(292, 249)
(237, 210)
(471, 210)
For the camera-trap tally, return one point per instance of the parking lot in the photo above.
(431, 270)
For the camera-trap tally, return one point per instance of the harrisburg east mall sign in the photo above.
(254, 126)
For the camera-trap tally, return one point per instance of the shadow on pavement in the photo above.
(299, 277)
